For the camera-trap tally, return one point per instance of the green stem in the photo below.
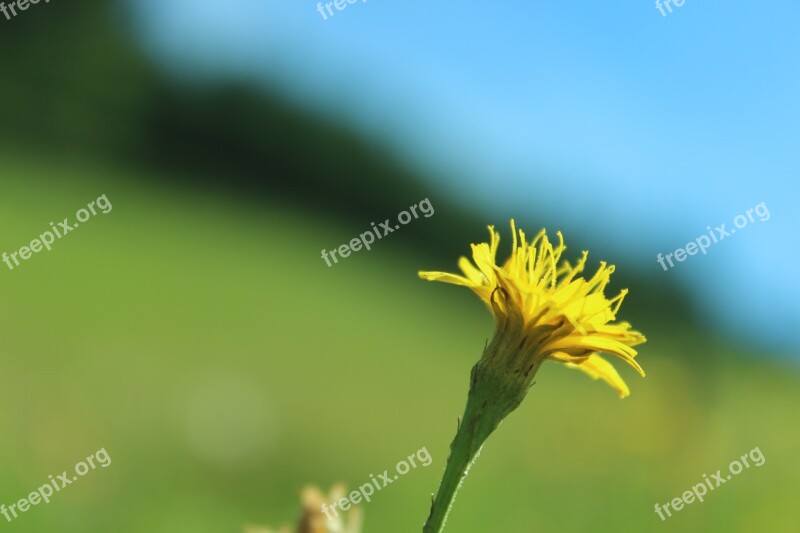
(464, 451)
(491, 398)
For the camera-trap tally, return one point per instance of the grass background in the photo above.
(201, 340)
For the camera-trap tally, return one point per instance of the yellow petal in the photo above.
(472, 273)
(446, 277)
(564, 357)
(600, 344)
(598, 368)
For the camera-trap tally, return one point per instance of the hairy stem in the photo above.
(491, 398)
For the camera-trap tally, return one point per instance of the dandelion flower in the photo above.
(543, 309)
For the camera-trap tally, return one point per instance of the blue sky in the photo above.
(605, 118)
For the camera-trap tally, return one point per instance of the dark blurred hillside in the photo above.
(75, 81)
(71, 79)
(251, 141)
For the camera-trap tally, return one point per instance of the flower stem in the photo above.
(491, 398)
(464, 451)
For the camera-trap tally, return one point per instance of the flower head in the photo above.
(544, 310)
(314, 518)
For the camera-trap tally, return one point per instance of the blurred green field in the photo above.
(203, 342)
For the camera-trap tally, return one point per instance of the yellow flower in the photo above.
(543, 310)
